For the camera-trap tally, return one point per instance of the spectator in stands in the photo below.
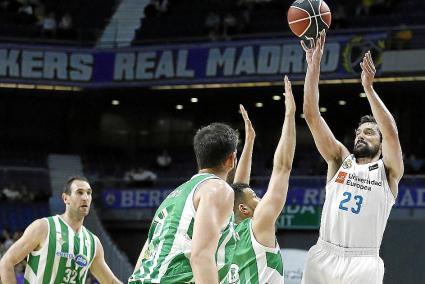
(11, 6)
(2, 249)
(19, 272)
(39, 12)
(151, 10)
(66, 26)
(140, 177)
(8, 241)
(164, 160)
(17, 235)
(26, 13)
(11, 194)
(212, 24)
(48, 25)
(229, 25)
(161, 5)
(244, 16)
(26, 9)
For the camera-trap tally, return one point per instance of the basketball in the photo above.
(307, 18)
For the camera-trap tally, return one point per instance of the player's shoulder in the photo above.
(215, 191)
(215, 186)
(38, 229)
(39, 225)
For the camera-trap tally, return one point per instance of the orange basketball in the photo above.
(307, 18)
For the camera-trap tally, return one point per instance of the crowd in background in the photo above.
(7, 238)
(34, 15)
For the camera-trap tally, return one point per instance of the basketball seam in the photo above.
(320, 14)
(315, 17)
(309, 17)
(302, 18)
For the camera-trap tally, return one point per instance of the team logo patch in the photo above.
(347, 164)
(65, 254)
(373, 167)
(341, 177)
(81, 260)
(233, 276)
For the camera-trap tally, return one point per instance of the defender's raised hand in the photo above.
(289, 98)
(249, 129)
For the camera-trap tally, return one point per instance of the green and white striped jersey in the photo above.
(65, 256)
(254, 263)
(170, 239)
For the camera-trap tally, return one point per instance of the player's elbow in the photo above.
(390, 133)
(310, 113)
(283, 167)
(5, 265)
(200, 258)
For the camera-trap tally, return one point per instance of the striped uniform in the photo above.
(65, 256)
(170, 239)
(254, 263)
(357, 206)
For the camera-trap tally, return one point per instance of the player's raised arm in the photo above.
(391, 148)
(270, 207)
(32, 239)
(243, 170)
(213, 212)
(329, 147)
(100, 269)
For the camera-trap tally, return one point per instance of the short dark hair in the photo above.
(213, 144)
(371, 119)
(238, 189)
(68, 183)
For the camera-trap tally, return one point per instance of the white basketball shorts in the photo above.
(330, 264)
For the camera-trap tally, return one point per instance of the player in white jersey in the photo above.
(361, 187)
(257, 258)
(59, 248)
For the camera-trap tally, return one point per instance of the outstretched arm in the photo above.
(391, 148)
(270, 207)
(214, 199)
(32, 238)
(329, 147)
(100, 269)
(243, 170)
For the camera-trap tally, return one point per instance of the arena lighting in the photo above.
(363, 95)
(323, 109)
(302, 115)
(342, 102)
(194, 100)
(115, 102)
(39, 87)
(179, 107)
(279, 83)
(276, 98)
(259, 104)
(23, 86)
